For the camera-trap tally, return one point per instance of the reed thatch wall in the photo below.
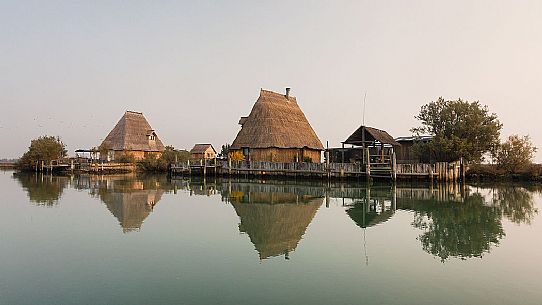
(285, 155)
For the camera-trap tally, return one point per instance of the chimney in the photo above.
(287, 92)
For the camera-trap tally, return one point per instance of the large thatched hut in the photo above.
(134, 136)
(277, 130)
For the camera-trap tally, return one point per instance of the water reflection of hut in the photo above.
(367, 215)
(377, 207)
(131, 208)
(274, 222)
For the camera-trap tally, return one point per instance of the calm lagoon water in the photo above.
(150, 240)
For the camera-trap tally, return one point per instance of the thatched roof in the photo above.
(133, 132)
(201, 148)
(371, 135)
(276, 121)
(275, 229)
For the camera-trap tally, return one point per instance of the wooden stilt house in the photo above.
(132, 136)
(379, 143)
(203, 151)
(277, 131)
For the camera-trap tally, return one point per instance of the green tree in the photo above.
(460, 129)
(44, 148)
(170, 155)
(225, 150)
(515, 154)
(161, 164)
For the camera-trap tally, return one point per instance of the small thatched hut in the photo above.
(277, 130)
(132, 136)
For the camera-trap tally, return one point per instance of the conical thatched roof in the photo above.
(276, 229)
(276, 121)
(133, 132)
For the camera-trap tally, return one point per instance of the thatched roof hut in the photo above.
(133, 134)
(277, 130)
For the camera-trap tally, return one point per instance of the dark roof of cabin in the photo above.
(201, 148)
(414, 139)
(371, 135)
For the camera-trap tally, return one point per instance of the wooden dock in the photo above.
(72, 165)
(376, 167)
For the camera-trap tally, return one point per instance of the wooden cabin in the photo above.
(406, 153)
(277, 131)
(379, 142)
(132, 136)
(203, 151)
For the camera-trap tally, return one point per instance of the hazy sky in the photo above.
(71, 68)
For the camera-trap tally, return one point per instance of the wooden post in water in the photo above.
(394, 166)
(368, 163)
(327, 166)
(463, 170)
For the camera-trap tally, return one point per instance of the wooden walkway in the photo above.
(377, 168)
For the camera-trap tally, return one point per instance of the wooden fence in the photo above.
(379, 168)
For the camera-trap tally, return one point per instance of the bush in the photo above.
(515, 154)
(44, 148)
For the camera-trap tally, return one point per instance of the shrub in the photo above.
(515, 154)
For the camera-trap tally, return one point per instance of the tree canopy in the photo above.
(515, 154)
(460, 129)
(169, 155)
(44, 148)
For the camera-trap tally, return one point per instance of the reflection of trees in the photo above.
(458, 229)
(515, 203)
(42, 189)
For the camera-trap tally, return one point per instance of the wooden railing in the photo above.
(377, 166)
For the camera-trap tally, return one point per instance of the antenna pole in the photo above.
(363, 123)
(364, 98)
